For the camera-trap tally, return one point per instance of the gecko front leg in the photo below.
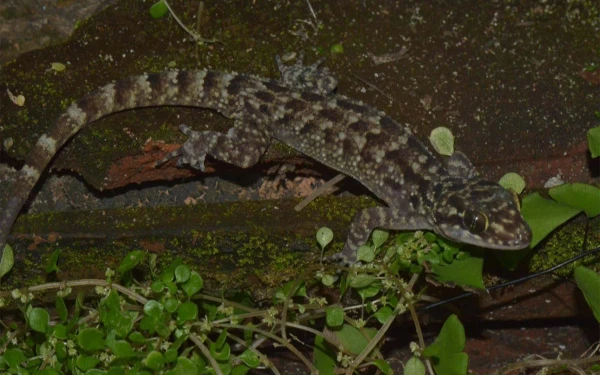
(378, 217)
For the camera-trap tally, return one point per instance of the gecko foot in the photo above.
(302, 77)
(191, 153)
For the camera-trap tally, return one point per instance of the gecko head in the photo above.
(480, 213)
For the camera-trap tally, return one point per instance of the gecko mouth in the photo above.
(515, 239)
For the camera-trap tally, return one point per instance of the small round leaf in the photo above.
(193, 285)
(38, 319)
(324, 236)
(91, 339)
(154, 360)
(182, 273)
(442, 140)
(187, 311)
(334, 316)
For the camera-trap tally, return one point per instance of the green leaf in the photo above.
(187, 311)
(324, 236)
(337, 48)
(581, 196)
(61, 309)
(182, 273)
(193, 285)
(328, 280)
(281, 293)
(14, 357)
(131, 260)
(221, 339)
(383, 314)
(184, 366)
(543, 216)
(365, 254)
(52, 262)
(369, 291)
(512, 181)
(154, 360)
(91, 339)
(220, 353)
(7, 261)
(324, 356)
(38, 319)
(240, 370)
(171, 304)
(60, 331)
(442, 140)
(95, 372)
(589, 282)
(157, 286)
(384, 366)
(593, 137)
(158, 10)
(334, 316)
(171, 355)
(122, 349)
(85, 362)
(153, 308)
(379, 237)
(352, 339)
(465, 272)
(361, 280)
(137, 338)
(446, 352)
(250, 358)
(47, 371)
(414, 366)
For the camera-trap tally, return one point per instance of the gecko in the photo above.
(302, 110)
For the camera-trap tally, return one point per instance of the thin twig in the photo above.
(319, 191)
(373, 87)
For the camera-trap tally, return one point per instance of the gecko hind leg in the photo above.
(242, 146)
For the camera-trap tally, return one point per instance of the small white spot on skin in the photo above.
(325, 125)
(433, 169)
(46, 143)
(108, 95)
(172, 75)
(143, 84)
(30, 172)
(497, 228)
(416, 167)
(422, 159)
(360, 142)
(77, 115)
(341, 136)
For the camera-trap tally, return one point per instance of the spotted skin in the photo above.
(302, 111)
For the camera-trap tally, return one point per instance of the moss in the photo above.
(566, 243)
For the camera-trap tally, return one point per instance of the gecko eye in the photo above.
(475, 221)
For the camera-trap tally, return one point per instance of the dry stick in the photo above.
(548, 362)
(381, 331)
(319, 191)
(288, 298)
(283, 342)
(206, 352)
(312, 11)
(264, 358)
(197, 38)
(373, 87)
